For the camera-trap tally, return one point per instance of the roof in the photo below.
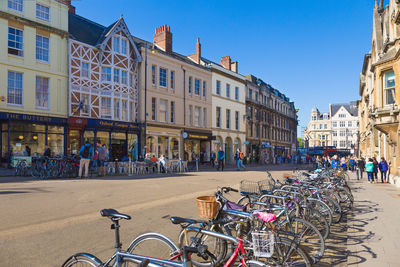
(221, 68)
(84, 30)
(351, 107)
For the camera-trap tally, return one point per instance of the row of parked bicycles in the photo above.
(45, 167)
(272, 224)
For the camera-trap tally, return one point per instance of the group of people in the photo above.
(87, 154)
(219, 159)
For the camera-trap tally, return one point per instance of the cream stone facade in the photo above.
(319, 131)
(379, 90)
(228, 109)
(175, 97)
(33, 76)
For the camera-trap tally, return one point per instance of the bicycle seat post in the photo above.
(115, 226)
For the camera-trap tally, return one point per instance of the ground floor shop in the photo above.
(121, 139)
(230, 142)
(197, 145)
(163, 141)
(24, 135)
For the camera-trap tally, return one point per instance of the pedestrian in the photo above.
(360, 168)
(239, 159)
(221, 157)
(163, 164)
(86, 153)
(352, 164)
(343, 163)
(212, 159)
(28, 151)
(47, 151)
(383, 168)
(369, 168)
(376, 168)
(101, 158)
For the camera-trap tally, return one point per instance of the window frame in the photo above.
(43, 49)
(20, 51)
(14, 1)
(163, 78)
(153, 75)
(106, 75)
(43, 18)
(172, 79)
(228, 90)
(110, 115)
(218, 87)
(391, 88)
(15, 88)
(83, 70)
(197, 87)
(48, 92)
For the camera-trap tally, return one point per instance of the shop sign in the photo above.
(32, 118)
(279, 147)
(185, 135)
(246, 142)
(77, 121)
(2, 98)
(197, 136)
(266, 145)
(112, 124)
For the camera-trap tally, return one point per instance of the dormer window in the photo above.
(120, 45)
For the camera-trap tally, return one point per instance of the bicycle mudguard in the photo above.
(90, 256)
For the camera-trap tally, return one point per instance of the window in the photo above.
(334, 124)
(313, 127)
(131, 112)
(342, 124)
(130, 79)
(172, 111)
(42, 48)
(218, 88)
(153, 108)
(320, 126)
(116, 109)
(228, 90)
(334, 133)
(349, 124)
(256, 113)
(85, 105)
(124, 110)
(218, 117)
(163, 110)
(325, 126)
(250, 129)
(342, 143)
(250, 94)
(106, 108)
(17, 5)
(15, 42)
(228, 119)
(190, 85)
(124, 77)
(42, 12)
(205, 117)
(14, 88)
(197, 87)
(389, 86)
(85, 70)
(197, 116)
(153, 74)
(204, 88)
(335, 143)
(257, 131)
(314, 118)
(256, 96)
(236, 93)
(172, 79)
(106, 74)
(342, 115)
(342, 133)
(163, 77)
(323, 137)
(237, 120)
(190, 115)
(116, 44)
(116, 75)
(124, 46)
(42, 92)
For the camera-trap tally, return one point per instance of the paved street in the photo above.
(44, 222)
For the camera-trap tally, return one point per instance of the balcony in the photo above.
(385, 117)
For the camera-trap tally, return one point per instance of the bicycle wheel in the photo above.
(215, 246)
(335, 208)
(154, 245)
(315, 218)
(306, 235)
(82, 260)
(286, 253)
(322, 207)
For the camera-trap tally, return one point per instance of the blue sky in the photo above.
(311, 50)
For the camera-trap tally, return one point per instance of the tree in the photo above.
(301, 142)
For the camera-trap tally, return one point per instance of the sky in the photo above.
(310, 50)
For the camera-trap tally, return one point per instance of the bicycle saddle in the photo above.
(179, 220)
(113, 214)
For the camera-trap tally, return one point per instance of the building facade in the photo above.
(319, 129)
(271, 122)
(379, 89)
(175, 97)
(228, 107)
(344, 119)
(33, 77)
(103, 87)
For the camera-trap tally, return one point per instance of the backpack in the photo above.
(86, 152)
(241, 155)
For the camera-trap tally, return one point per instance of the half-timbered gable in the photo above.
(103, 70)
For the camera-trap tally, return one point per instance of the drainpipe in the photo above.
(145, 100)
(184, 95)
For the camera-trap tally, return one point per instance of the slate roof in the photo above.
(84, 30)
(351, 107)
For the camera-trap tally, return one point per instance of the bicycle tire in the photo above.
(314, 217)
(322, 207)
(215, 246)
(82, 260)
(306, 235)
(335, 207)
(154, 245)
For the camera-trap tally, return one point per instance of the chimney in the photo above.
(198, 51)
(226, 62)
(71, 8)
(163, 38)
(234, 66)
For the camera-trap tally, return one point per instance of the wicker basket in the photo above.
(207, 207)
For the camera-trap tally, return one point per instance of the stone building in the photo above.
(175, 97)
(344, 119)
(379, 88)
(33, 77)
(319, 131)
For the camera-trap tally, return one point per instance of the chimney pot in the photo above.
(163, 38)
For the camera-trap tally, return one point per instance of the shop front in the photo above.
(165, 142)
(120, 138)
(24, 135)
(267, 152)
(253, 150)
(197, 145)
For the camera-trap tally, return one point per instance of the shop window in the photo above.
(116, 109)
(197, 116)
(389, 87)
(163, 110)
(74, 142)
(15, 42)
(14, 88)
(25, 139)
(174, 152)
(133, 146)
(42, 92)
(118, 149)
(162, 146)
(42, 48)
(106, 108)
(197, 87)
(55, 140)
(151, 146)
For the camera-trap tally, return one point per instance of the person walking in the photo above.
(212, 158)
(101, 158)
(369, 168)
(47, 151)
(383, 168)
(376, 168)
(360, 165)
(239, 159)
(221, 157)
(343, 163)
(352, 164)
(163, 164)
(86, 153)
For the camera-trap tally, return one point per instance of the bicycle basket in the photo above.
(207, 207)
(263, 244)
(249, 188)
(266, 185)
